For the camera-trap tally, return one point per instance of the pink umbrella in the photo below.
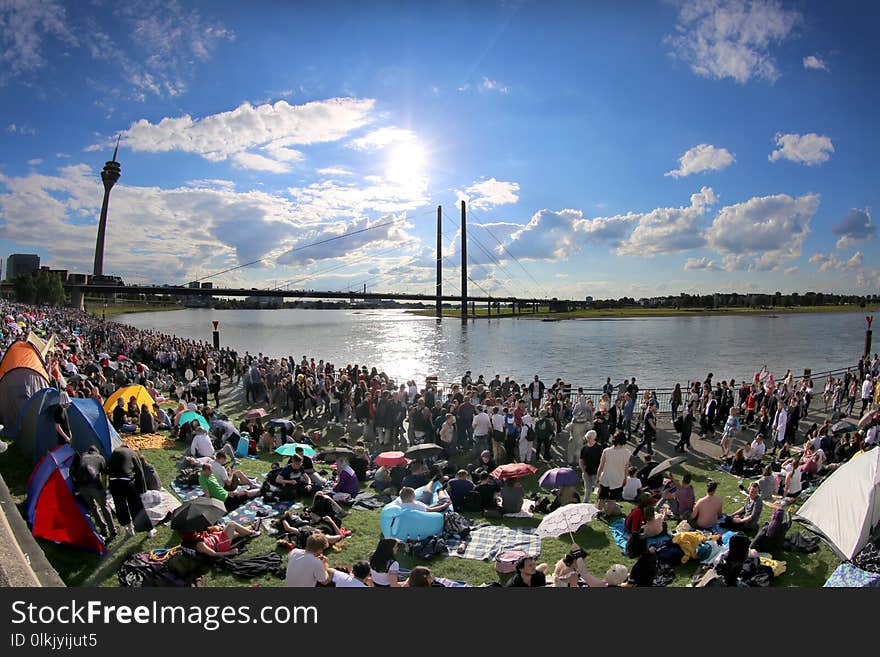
(255, 413)
(513, 471)
(390, 459)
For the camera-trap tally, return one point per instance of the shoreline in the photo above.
(635, 313)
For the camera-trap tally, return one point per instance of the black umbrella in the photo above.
(665, 465)
(844, 426)
(427, 450)
(333, 453)
(91, 368)
(197, 515)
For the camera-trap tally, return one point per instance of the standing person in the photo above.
(544, 431)
(582, 417)
(536, 392)
(62, 425)
(590, 457)
(731, 425)
(675, 401)
(650, 432)
(127, 484)
(629, 406)
(482, 428)
(867, 390)
(89, 474)
(498, 451)
(611, 473)
(780, 427)
(687, 427)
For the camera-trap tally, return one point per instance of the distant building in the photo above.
(271, 302)
(21, 263)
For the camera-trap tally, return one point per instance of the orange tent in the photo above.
(22, 373)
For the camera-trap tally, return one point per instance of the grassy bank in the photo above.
(79, 568)
(96, 308)
(621, 313)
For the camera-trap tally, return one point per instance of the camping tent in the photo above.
(846, 506)
(138, 392)
(52, 511)
(35, 432)
(42, 346)
(22, 373)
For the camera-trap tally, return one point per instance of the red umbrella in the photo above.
(255, 413)
(513, 470)
(390, 459)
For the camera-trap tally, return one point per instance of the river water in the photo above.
(658, 351)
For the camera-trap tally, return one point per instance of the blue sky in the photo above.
(606, 148)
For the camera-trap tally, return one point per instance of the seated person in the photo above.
(812, 462)
(458, 489)
(771, 537)
(564, 574)
(309, 469)
(420, 577)
(678, 496)
(384, 567)
(511, 496)
(636, 518)
(655, 522)
(213, 489)
(528, 574)
(487, 488)
(201, 442)
(323, 505)
(119, 416)
(407, 500)
(382, 478)
(417, 477)
(644, 475)
(768, 484)
(398, 473)
(565, 495)
(707, 509)
(346, 480)
(631, 485)
(231, 479)
(292, 479)
(644, 570)
(217, 541)
(148, 422)
(485, 463)
(758, 449)
(746, 518)
(360, 462)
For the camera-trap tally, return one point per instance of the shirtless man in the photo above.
(707, 510)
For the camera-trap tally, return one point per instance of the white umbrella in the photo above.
(567, 519)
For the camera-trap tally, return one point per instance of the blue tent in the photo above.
(52, 511)
(35, 431)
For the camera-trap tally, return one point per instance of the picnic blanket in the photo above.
(850, 576)
(621, 536)
(147, 441)
(246, 513)
(525, 512)
(158, 504)
(488, 541)
(367, 501)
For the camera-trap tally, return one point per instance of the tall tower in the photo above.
(109, 175)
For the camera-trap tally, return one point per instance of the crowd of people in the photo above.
(496, 421)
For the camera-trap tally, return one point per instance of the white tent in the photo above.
(846, 507)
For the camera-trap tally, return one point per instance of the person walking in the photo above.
(650, 432)
(127, 484)
(687, 427)
(590, 457)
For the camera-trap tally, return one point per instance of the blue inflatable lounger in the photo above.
(401, 523)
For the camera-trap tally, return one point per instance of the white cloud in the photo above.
(763, 232)
(806, 149)
(24, 25)
(731, 39)
(700, 264)
(488, 84)
(20, 129)
(488, 193)
(166, 235)
(62, 155)
(35, 162)
(670, 230)
(792, 270)
(275, 128)
(381, 138)
(815, 63)
(829, 262)
(855, 227)
(333, 171)
(703, 157)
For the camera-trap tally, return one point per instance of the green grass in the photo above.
(96, 308)
(78, 568)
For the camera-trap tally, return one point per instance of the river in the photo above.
(659, 351)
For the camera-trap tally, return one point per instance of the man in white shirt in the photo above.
(201, 444)
(482, 428)
(867, 387)
(407, 500)
(359, 577)
(497, 420)
(308, 568)
(758, 448)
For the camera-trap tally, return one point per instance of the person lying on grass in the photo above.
(213, 489)
(217, 541)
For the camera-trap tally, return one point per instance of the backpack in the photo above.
(678, 425)
(145, 569)
(505, 562)
(455, 523)
(187, 477)
(427, 548)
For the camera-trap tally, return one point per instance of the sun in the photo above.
(406, 163)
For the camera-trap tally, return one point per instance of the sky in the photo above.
(604, 149)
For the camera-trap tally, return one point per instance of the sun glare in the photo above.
(406, 163)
